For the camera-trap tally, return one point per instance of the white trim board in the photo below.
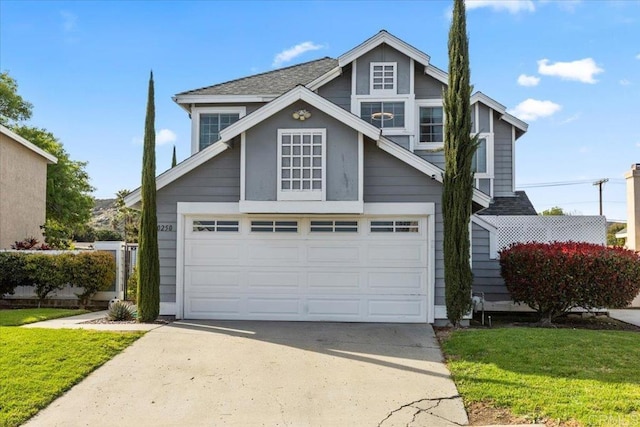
(387, 38)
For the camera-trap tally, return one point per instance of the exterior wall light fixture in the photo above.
(301, 115)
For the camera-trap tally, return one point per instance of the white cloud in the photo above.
(291, 53)
(624, 82)
(533, 109)
(165, 136)
(581, 70)
(524, 80)
(512, 6)
(69, 21)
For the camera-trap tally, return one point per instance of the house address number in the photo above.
(165, 227)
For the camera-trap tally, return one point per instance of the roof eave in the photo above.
(383, 37)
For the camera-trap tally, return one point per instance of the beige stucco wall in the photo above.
(23, 189)
(633, 213)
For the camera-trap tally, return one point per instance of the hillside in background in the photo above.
(103, 213)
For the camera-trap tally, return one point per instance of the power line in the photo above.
(564, 183)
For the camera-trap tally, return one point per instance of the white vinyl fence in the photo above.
(544, 229)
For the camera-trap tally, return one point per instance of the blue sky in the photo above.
(571, 69)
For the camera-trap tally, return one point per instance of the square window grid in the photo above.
(212, 124)
(394, 226)
(215, 225)
(274, 226)
(479, 161)
(334, 226)
(301, 161)
(431, 124)
(383, 77)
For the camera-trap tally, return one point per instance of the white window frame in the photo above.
(489, 173)
(427, 145)
(303, 195)
(196, 112)
(408, 114)
(394, 66)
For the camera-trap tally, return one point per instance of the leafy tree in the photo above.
(457, 193)
(148, 258)
(69, 200)
(174, 161)
(126, 219)
(614, 228)
(554, 211)
(13, 108)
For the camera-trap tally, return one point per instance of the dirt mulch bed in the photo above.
(106, 321)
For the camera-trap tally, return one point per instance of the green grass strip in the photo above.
(31, 315)
(589, 376)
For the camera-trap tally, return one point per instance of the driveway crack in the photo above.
(435, 402)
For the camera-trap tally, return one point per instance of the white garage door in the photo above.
(364, 269)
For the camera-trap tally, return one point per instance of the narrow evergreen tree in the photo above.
(459, 148)
(174, 161)
(148, 259)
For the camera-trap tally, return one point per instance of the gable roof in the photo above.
(31, 146)
(274, 82)
(278, 104)
(516, 205)
(492, 103)
(389, 39)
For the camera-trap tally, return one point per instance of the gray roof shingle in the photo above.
(518, 205)
(274, 82)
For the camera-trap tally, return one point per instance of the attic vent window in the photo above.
(383, 77)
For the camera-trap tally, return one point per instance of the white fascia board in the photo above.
(424, 166)
(399, 208)
(492, 103)
(30, 145)
(437, 74)
(208, 208)
(301, 207)
(325, 78)
(483, 223)
(311, 98)
(378, 39)
(186, 100)
(179, 170)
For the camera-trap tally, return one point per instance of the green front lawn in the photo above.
(38, 365)
(30, 315)
(592, 377)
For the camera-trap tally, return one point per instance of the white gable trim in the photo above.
(492, 103)
(389, 39)
(437, 74)
(177, 171)
(493, 230)
(325, 78)
(31, 146)
(311, 98)
(424, 166)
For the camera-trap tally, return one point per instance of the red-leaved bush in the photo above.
(553, 278)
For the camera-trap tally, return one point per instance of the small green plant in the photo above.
(122, 311)
(104, 234)
(93, 272)
(12, 272)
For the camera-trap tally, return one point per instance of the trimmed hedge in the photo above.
(553, 278)
(46, 272)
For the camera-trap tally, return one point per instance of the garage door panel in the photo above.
(397, 281)
(276, 280)
(334, 253)
(203, 307)
(274, 306)
(323, 308)
(391, 253)
(261, 252)
(381, 308)
(209, 280)
(212, 253)
(331, 282)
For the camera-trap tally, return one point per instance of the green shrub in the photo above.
(105, 234)
(92, 271)
(553, 278)
(47, 273)
(12, 272)
(122, 311)
(132, 286)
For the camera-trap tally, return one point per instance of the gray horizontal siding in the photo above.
(433, 157)
(389, 180)
(383, 53)
(486, 271)
(425, 86)
(503, 157)
(217, 180)
(338, 90)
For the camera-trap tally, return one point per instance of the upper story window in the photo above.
(301, 164)
(208, 122)
(383, 114)
(383, 78)
(482, 163)
(430, 132)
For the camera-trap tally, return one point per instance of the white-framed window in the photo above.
(301, 164)
(208, 122)
(430, 124)
(394, 226)
(384, 114)
(215, 225)
(268, 226)
(482, 164)
(383, 78)
(330, 226)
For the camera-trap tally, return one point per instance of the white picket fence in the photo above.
(544, 229)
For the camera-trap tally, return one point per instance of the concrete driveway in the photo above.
(212, 373)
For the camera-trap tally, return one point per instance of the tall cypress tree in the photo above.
(459, 148)
(148, 258)
(174, 161)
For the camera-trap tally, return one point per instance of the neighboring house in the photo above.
(632, 232)
(23, 188)
(313, 192)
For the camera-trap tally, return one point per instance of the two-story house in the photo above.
(313, 192)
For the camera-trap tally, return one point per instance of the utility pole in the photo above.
(599, 183)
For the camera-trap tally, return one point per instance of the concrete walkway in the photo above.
(200, 373)
(628, 315)
(77, 322)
